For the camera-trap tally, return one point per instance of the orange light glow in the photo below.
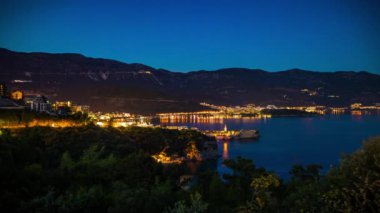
(225, 150)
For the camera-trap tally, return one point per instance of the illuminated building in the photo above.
(80, 108)
(356, 106)
(38, 103)
(16, 95)
(313, 93)
(62, 107)
(61, 104)
(67, 107)
(21, 81)
(163, 158)
(271, 107)
(3, 90)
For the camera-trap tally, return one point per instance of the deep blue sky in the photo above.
(324, 35)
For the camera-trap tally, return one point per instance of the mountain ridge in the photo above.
(109, 85)
(2, 50)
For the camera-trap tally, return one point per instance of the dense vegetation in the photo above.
(27, 117)
(92, 169)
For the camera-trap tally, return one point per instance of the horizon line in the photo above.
(199, 70)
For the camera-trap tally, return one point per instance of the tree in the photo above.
(309, 173)
(262, 194)
(196, 205)
(355, 184)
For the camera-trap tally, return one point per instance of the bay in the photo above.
(287, 141)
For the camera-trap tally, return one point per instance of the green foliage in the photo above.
(93, 169)
(154, 140)
(309, 173)
(196, 205)
(355, 184)
(262, 198)
(67, 162)
(82, 169)
(24, 117)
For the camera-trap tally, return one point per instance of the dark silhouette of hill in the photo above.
(110, 85)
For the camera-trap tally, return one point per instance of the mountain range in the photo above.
(109, 85)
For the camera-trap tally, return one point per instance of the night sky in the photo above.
(323, 35)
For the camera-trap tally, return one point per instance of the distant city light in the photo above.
(22, 81)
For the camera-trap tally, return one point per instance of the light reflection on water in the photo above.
(225, 150)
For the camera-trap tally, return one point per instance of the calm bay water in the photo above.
(287, 141)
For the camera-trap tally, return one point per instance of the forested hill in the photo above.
(110, 85)
(93, 169)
